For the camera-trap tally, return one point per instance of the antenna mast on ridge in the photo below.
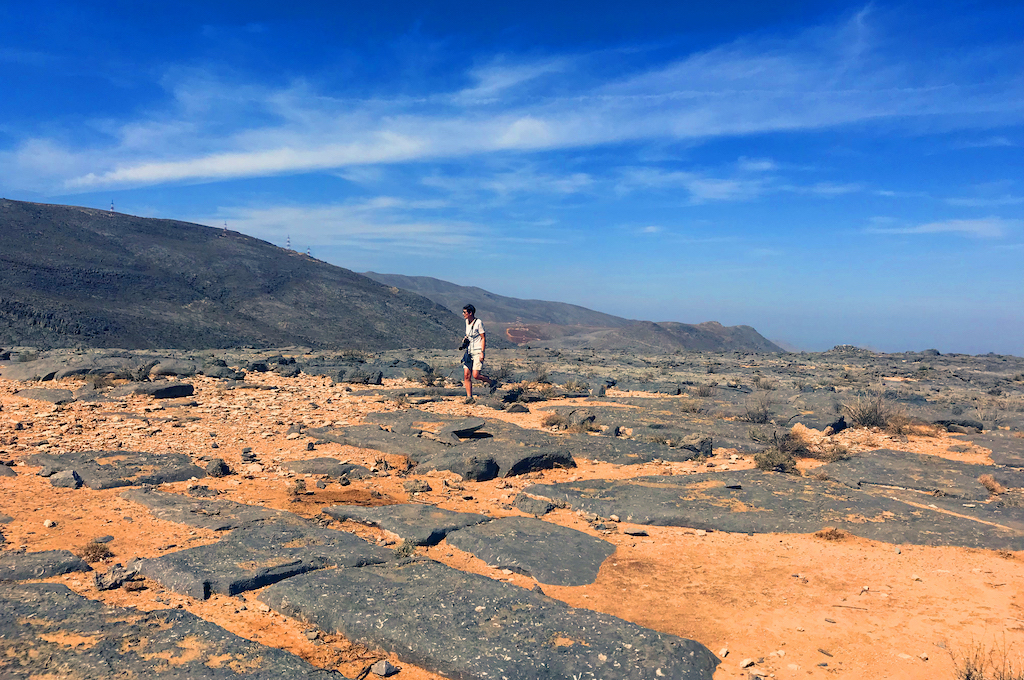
(288, 243)
(111, 205)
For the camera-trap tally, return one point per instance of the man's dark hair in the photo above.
(469, 308)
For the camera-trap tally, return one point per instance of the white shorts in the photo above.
(473, 362)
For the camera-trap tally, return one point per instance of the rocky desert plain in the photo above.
(295, 513)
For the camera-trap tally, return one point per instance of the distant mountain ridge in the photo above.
(562, 325)
(493, 307)
(72, 276)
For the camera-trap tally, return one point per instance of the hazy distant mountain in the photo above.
(78, 276)
(492, 307)
(561, 325)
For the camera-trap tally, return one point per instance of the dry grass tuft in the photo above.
(704, 391)
(95, 552)
(990, 483)
(831, 534)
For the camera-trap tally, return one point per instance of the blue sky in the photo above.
(826, 172)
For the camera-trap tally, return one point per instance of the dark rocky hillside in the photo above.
(73, 276)
(565, 326)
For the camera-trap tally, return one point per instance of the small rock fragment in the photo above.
(384, 668)
(66, 479)
(217, 468)
(416, 486)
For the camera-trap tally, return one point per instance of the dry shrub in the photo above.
(758, 409)
(553, 420)
(540, 371)
(583, 426)
(763, 383)
(830, 453)
(405, 549)
(546, 391)
(831, 534)
(899, 423)
(95, 552)
(576, 385)
(500, 372)
(689, 406)
(434, 375)
(874, 411)
(990, 483)
(704, 391)
(779, 456)
(996, 663)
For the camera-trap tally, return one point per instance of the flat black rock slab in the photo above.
(54, 396)
(550, 553)
(40, 619)
(1007, 448)
(24, 566)
(112, 469)
(752, 501)
(332, 467)
(205, 513)
(469, 627)
(623, 451)
(995, 511)
(372, 437)
(930, 474)
(157, 390)
(414, 522)
(257, 556)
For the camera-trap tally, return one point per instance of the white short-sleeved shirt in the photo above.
(475, 333)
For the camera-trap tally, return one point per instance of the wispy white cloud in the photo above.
(699, 188)
(994, 142)
(508, 183)
(214, 130)
(498, 77)
(825, 188)
(986, 202)
(383, 223)
(756, 164)
(987, 227)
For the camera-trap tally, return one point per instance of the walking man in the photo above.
(473, 359)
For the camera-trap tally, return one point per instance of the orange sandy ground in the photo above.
(787, 602)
